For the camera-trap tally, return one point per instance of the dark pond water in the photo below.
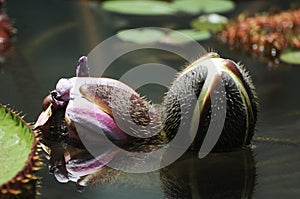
(53, 34)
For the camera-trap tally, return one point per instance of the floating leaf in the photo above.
(188, 6)
(150, 7)
(211, 22)
(218, 6)
(205, 6)
(185, 36)
(291, 56)
(147, 35)
(141, 36)
(139, 7)
(17, 154)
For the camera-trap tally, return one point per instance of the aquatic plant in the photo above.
(265, 35)
(6, 34)
(291, 56)
(178, 37)
(150, 7)
(92, 108)
(18, 156)
(211, 22)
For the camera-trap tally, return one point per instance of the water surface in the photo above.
(53, 34)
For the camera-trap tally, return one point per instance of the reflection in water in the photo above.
(68, 160)
(277, 164)
(219, 175)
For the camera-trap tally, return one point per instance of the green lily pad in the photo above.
(151, 7)
(203, 6)
(211, 22)
(141, 36)
(147, 35)
(185, 36)
(290, 56)
(139, 7)
(17, 146)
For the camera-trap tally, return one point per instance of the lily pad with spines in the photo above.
(18, 156)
